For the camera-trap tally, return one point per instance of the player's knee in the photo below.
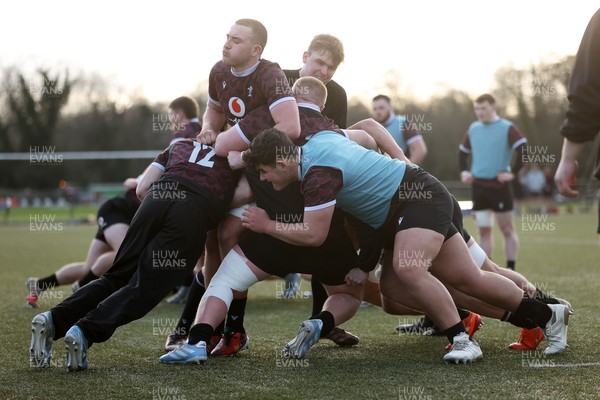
(220, 291)
(483, 219)
(235, 272)
(233, 275)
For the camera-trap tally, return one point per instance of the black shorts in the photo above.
(421, 202)
(328, 263)
(492, 198)
(285, 205)
(113, 211)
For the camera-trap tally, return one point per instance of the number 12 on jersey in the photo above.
(205, 161)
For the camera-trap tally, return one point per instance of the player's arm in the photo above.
(152, 174)
(518, 145)
(286, 117)
(415, 141)
(382, 137)
(213, 120)
(130, 183)
(282, 104)
(230, 140)
(464, 151)
(312, 232)
(418, 150)
(319, 187)
(566, 173)
(361, 137)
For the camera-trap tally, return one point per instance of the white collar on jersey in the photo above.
(310, 105)
(245, 72)
(195, 120)
(390, 119)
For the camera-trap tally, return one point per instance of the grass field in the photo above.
(560, 255)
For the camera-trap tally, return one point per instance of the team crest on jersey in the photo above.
(237, 107)
(224, 84)
(250, 89)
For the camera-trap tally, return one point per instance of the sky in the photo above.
(164, 49)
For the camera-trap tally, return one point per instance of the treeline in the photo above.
(37, 117)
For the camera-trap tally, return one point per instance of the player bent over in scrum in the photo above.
(386, 195)
(114, 216)
(258, 256)
(190, 190)
(530, 336)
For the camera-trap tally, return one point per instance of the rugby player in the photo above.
(491, 142)
(186, 191)
(114, 216)
(404, 132)
(369, 187)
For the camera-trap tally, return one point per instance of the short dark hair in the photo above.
(259, 32)
(486, 97)
(382, 97)
(267, 148)
(328, 43)
(189, 106)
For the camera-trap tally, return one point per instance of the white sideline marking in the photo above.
(590, 364)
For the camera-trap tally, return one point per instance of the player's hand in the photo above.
(466, 177)
(207, 137)
(504, 177)
(235, 160)
(565, 177)
(130, 183)
(356, 277)
(256, 219)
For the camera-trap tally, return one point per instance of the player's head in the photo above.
(274, 156)
(485, 108)
(183, 108)
(309, 89)
(324, 55)
(382, 108)
(245, 43)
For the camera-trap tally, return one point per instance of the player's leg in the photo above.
(98, 265)
(68, 273)
(406, 279)
(483, 220)
(529, 337)
(55, 323)
(342, 303)
(234, 338)
(236, 273)
(511, 241)
(455, 267)
(182, 329)
(169, 255)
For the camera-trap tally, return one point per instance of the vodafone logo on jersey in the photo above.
(237, 107)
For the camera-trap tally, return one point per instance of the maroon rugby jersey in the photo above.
(311, 122)
(198, 167)
(238, 93)
(188, 130)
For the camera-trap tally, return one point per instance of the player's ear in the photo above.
(305, 57)
(281, 164)
(257, 50)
